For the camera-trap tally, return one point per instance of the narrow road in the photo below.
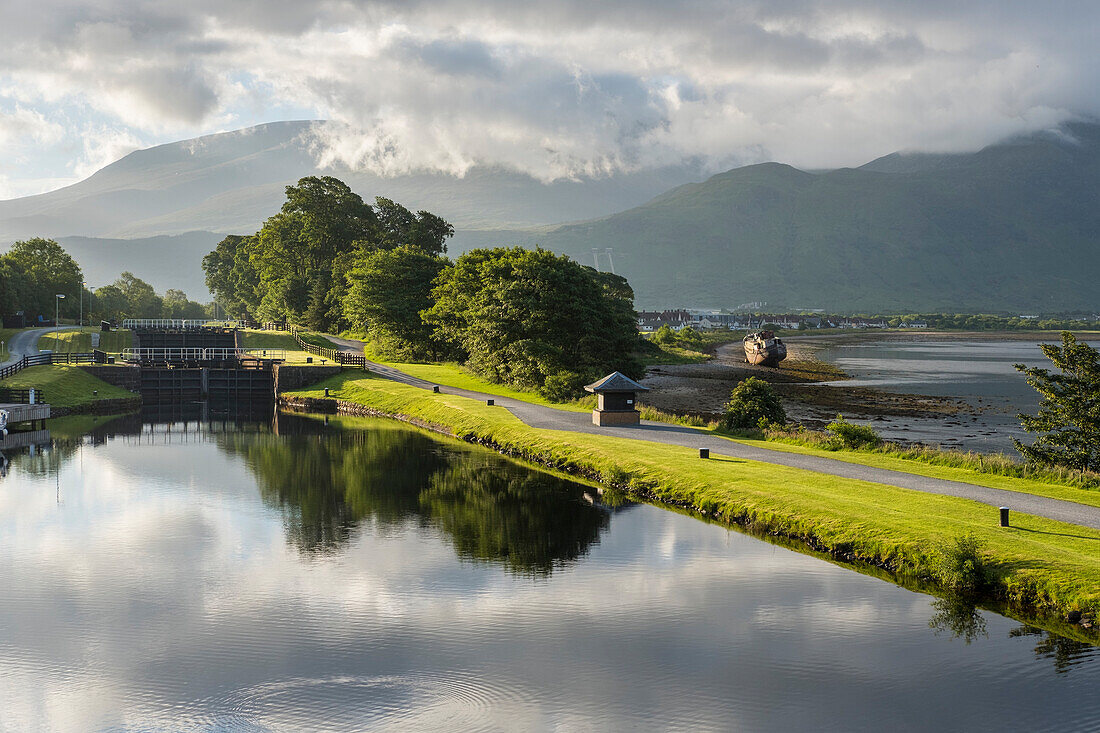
(25, 342)
(549, 418)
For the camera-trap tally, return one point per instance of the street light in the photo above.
(82, 284)
(56, 310)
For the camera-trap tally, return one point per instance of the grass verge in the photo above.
(1041, 566)
(1053, 485)
(80, 342)
(972, 472)
(282, 340)
(66, 386)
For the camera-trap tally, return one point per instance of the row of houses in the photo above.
(682, 318)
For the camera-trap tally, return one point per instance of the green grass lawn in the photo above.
(255, 339)
(65, 386)
(80, 342)
(454, 375)
(1041, 562)
(5, 336)
(1038, 487)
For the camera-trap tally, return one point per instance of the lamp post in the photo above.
(82, 284)
(56, 310)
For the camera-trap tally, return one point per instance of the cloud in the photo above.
(560, 89)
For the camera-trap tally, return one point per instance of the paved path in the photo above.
(549, 418)
(25, 342)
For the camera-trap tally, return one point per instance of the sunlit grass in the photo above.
(80, 341)
(65, 386)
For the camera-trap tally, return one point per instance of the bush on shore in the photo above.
(753, 405)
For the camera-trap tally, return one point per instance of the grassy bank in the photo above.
(934, 464)
(80, 342)
(282, 340)
(1041, 565)
(5, 337)
(67, 387)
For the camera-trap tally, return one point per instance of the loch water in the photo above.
(976, 371)
(208, 574)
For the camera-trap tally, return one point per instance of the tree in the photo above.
(296, 266)
(399, 227)
(386, 293)
(752, 404)
(1069, 412)
(141, 300)
(177, 305)
(232, 277)
(522, 316)
(45, 270)
(109, 303)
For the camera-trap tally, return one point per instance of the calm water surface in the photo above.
(364, 576)
(979, 372)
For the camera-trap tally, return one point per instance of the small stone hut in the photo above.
(617, 400)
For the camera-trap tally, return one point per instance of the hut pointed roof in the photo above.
(615, 382)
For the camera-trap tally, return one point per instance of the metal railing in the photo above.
(91, 357)
(188, 355)
(343, 358)
(181, 323)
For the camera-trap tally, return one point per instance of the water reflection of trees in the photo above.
(1064, 652)
(959, 616)
(328, 480)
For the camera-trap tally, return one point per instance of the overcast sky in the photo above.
(555, 88)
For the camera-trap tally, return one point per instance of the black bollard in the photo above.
(326, 391)
(1004, 516)
(435, 389)
(704, 452)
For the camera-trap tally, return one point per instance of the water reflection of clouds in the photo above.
(179, 602)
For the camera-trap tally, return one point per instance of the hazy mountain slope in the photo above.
(231, 182)
(163, 262)
(1015, 226)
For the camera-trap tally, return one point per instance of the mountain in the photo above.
(1013, 227)
(126, 214)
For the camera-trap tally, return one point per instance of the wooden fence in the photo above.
(343, 358)
(91, 357)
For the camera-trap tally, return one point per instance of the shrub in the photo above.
(563, 386)
(851, 435)
(689, 338)
(665, 335)
(753, 405)
(960, 567)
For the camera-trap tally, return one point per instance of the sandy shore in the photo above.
(703, 389)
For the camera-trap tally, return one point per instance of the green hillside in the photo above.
(1013, 227)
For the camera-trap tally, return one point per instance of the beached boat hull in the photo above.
(764, 349)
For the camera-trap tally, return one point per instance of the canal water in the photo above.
(300, 575)
(975, 370)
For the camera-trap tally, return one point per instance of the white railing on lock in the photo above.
(170, 355)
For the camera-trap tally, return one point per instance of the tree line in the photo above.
(330, 261)
(35, 271)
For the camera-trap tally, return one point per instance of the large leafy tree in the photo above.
(231, 276)
(109, 303)
(386, 293)
(45, 270)
(141, 300)
(535, 319)
(399, 227)
(1068, 420)
(296, 267)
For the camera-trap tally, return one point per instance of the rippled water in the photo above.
(364, 576)
(979, 372)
